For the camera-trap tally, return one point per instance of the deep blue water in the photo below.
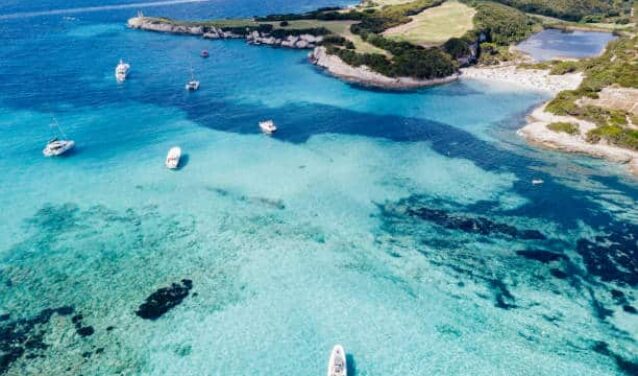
(402, 225)
(553, 44)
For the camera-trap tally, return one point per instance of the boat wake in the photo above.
(97, 8)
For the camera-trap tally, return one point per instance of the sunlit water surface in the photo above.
(401, 225)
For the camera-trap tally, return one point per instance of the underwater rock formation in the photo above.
(164, 299)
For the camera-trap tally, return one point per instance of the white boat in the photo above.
(57, 146)
(121, 71)
(268, 126)
(172, 159)
(537, 181)
(193, 84)
(337, 365)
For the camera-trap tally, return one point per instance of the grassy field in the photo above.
(436, 25)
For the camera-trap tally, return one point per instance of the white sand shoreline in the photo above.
(536, 131)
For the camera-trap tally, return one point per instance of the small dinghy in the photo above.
(268, 126)
(204, 54)
(337, 365)
(172, 159)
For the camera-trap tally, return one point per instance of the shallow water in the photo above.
(388, 222)
(552, 44)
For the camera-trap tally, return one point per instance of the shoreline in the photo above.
(535, 131)
(364, 76)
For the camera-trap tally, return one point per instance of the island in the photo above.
(408, 44)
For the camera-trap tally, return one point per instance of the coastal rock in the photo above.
(164, 299)
(365, 76)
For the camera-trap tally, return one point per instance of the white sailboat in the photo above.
(268, 126)
(193, 84)
(173, 157)
(58, 145)
(337, 365)
(121, 71)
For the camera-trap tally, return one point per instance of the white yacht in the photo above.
(537, 181)
(337, 365)
(121, 71)
(193, 84)
(57, 146)
(172, 159)
(268, 126)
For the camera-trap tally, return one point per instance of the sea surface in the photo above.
(552, 44)
(404, 226)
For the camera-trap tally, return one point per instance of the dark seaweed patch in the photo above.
(25, 336)
(164, 299)
(542, 256)
(472, 225)
(85, 331)
(628, 367)
(613, 258)
(630, 309)
(558, 273)
(503, 297)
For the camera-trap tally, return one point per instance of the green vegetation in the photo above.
(435, 26)
(572, 10)
(407, 60)
(503, 25)
(569, 128)
(618, 66)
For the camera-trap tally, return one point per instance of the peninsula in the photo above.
(406, 44)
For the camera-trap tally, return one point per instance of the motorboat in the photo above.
(337, 365)
(121, 71)
(268, 126)
(172, 159)
(537, 181)
(204, 54)
(193, 84)
(58, 145)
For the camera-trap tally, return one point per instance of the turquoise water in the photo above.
(391, 223)
(553, 44)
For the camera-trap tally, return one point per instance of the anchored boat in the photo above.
(193, 84)
(121, 71)
(57, 146)
(172, 159)
(268, 126)
(337, 365)
(204, 54)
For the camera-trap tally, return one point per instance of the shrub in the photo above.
(569, 128)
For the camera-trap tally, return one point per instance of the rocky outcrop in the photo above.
(365, 76)
(291, 41)
(303, 41)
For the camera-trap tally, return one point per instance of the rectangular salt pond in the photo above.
(552, 44)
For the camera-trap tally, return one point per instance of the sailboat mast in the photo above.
(54, 123)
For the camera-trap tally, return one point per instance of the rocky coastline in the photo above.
(302, 41)
(361, 75)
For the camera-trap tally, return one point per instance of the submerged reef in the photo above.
(25, 336)
(164, 299)
(470, 224)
